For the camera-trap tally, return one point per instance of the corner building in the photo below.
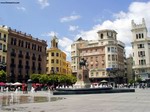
(56, 59)
(26, 55)
(105, 57)
(3, 47)
(141, 51)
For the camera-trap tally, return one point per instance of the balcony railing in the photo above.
(33, 58)
(20, 66)
(27, 57)
(12, 65)
(20, 55)
(27, 67)
(39, 59)
(13, 54)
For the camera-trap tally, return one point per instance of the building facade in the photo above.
(3, 47)
(56, 59)
(141, 50)
(26, 55)
(105, 56)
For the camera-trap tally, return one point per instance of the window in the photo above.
(0, 58)
(52, 60)
(142, 35)
(136, 36)
(108, 49)
(4, 47)
(141, 53)
(139, 36)
(0, 46)
(140, 46)
(108, 57)
(101, 36)
(57, 54)
(4, 39)
(12, 40)
(57, 61)
(92, 74)
(57, 69)
(113, 58)
(142, 62)
(52, 54)
(15, 41)
(3, 60)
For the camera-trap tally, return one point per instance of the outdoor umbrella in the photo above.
(17, 84)
(2, 84)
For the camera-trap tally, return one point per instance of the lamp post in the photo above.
(53, 72)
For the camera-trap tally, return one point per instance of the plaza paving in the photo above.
(112, 102)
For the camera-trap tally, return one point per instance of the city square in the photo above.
(115, 102)
(74, 56)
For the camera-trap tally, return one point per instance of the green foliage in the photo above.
(43, 79)
(54, 78)
(35, 77)
(138, 80)
(132, 81)
(2, 76)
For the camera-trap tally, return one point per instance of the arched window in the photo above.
(102, 36)
(139, 36)
(136, 36)
(142, 35)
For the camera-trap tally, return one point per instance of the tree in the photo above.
(2, 76)
(35, 77)
(44, 78)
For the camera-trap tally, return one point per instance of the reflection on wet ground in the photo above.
(10, 100)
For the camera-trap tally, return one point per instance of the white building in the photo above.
(141, 50)
(105, 56)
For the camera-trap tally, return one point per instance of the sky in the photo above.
(71, 19)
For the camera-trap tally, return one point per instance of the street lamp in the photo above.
(52, 72)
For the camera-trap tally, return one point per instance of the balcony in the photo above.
(27, 67)
(20, 66)
(40, 59)
(27, 57)
(39, 68)
(13, 54)
(33, 68)
(20, 55)
(33, 58)
(4, 50)
(12, 65)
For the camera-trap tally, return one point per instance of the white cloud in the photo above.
(122, 24)
(21, 8)
(73, 28)
(70, 18)
(65, 44)
(43, 3)
(50, 34)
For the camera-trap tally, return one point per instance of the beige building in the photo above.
(105, 57)
(3, 47)
(56, 59)
(141, 50)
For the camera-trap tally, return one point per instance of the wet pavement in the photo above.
(113, 102)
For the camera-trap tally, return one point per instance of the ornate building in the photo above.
(25, 55)
(105, 57)
(141, 51)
